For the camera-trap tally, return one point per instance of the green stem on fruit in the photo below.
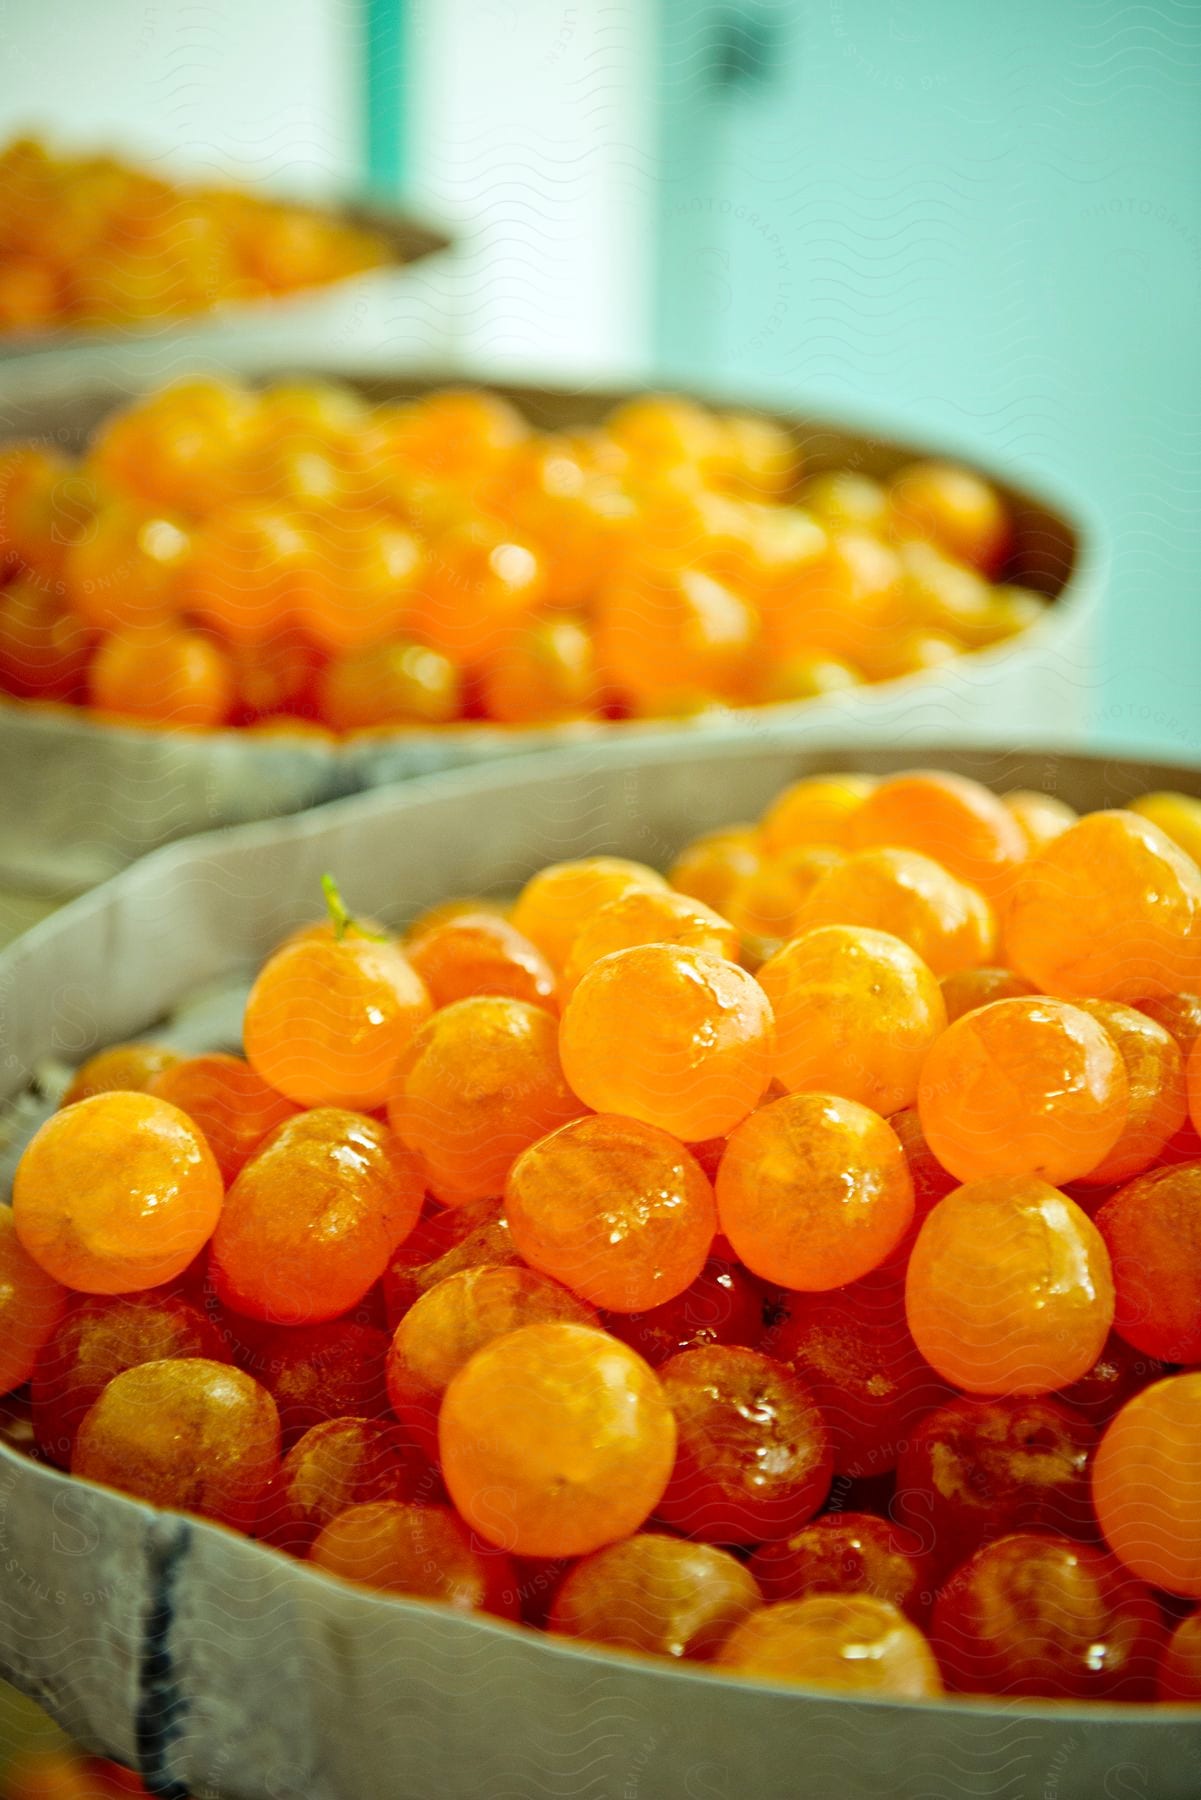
(342, 919)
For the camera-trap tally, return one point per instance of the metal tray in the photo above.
(220, 1668)
(81, 800)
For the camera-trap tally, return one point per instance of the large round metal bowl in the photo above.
(82, 799)
(220, 1668)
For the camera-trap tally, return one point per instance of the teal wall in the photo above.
(983, 223)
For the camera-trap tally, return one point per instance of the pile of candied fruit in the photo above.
(791, 1263)
(296, 560)
(88, 241)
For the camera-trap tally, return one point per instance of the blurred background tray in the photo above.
(82, 799)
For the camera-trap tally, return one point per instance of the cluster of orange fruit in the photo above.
(297, 560)
(792, 1262)
(88, 241)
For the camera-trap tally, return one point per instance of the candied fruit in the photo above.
(132, 1067)
(1049, 1618)
(116, 1193)
(478, 1084)
(328, 1017)
(311, 1221)
(853, 1350)
(847, 1553)
(1179, 1676)
(617, 1210)
(974, 1470)
(656, 1594)
(961, 825)
(421, 1550)
(675, 1037)
(753, 1454)
(1108, 910)
(96, 1340)
(1147, 1484)
(554, 1440)
(194, 1435)
(949, 924)
(445, 1327)
(814, 1191)
(1152, 1230)
(335, 1465)
(479, 953)
(648, 916)
(724, 1305)
(32, 1304)
(1024, 1087)
(856, 1012)
(560, 899)
(851, 1643)
(1008, 1289)
(233, 1106)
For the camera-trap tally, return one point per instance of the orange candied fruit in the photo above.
(162, 675)
(1108, 910)
(131, 1066)
(968, 989)
(312, 1219)
(445, 1327)
(675, 1037)
(1177, 815)
(481, 953)
(97, 1339)
(478, 1083)
(402, 1548)
(1049, 1618)
(1008, 1289)
(656, 1594)
(1152, 1230)
(814, 1191)
(126, 570)
(1155, 1080)
(856, 1013)
(648, 916)
(544, 673)
(253, 568)
(32, 1304)
(194, 1435)
(753, 1458)
(815, 810)
(672, 637)
(850, 1643)
(959, 823)
(1147, 1485)
(44, 647)
(335, 1465)
(953, 508)
(1040, 817)
(617, 1209)
(554, 1440)
(712, 866)
(847, 1553)
(116, 1193)
(949, 924)
(388, 684)
(329, 1015)
(231, 1104)
(560, 899)
(1179, 1676)
(1024, 1087)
